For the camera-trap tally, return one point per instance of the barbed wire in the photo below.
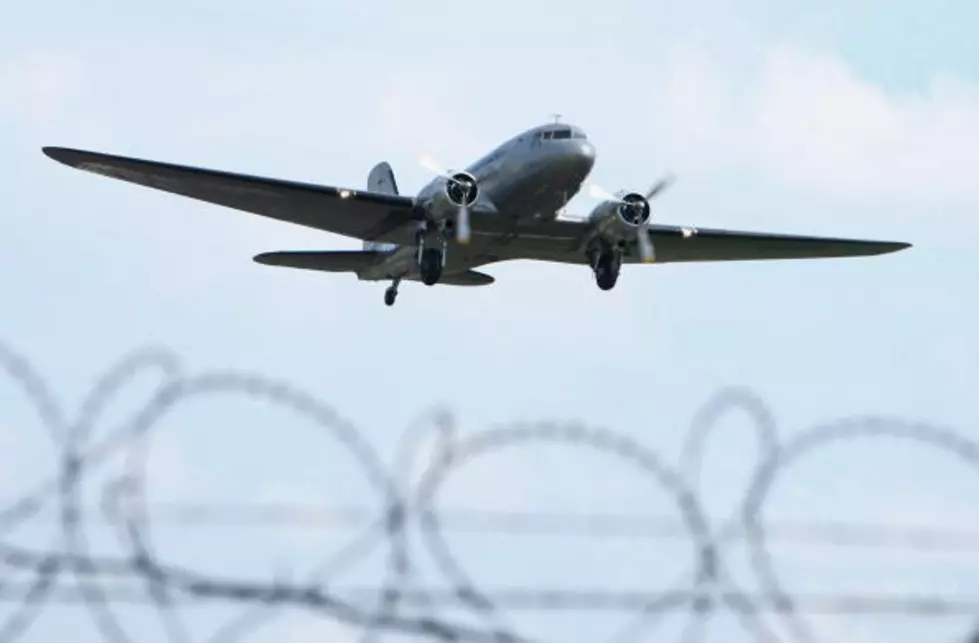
(596, 525)
(35, 577)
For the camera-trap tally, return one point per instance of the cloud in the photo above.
(822, 126)
(808, 120)
(35, 87)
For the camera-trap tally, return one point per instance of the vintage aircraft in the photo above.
(503, 207)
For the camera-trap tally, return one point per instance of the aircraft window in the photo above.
(559, 134)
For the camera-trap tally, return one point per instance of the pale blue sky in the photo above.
(843, 118)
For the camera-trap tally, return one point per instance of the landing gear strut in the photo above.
(606, 266)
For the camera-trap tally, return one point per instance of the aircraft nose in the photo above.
(581, 155)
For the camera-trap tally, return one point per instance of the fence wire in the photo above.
(36, 578)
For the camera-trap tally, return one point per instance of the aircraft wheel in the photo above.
(431, 266)
(607, 272)
(390, 295)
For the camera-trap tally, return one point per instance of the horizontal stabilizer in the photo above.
(323, 260)
(467, 278)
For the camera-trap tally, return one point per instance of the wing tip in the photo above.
(63, 155)
(267, 258)
(866, 248)
(887, 247)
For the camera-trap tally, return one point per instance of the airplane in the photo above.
(505, 206)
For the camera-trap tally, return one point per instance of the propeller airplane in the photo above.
(505, 206)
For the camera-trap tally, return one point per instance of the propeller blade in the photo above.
(433, 166)
(598, 192)
(646, 252)
(462, 224)
(659, 186)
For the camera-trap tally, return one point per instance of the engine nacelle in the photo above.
(461, 189)
(620, 218)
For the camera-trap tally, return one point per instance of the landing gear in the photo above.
(430, 260)
(391, 294)
(431, 265)
(606, 266)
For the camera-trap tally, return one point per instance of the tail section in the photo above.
(381, 180)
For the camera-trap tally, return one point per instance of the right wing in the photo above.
(565, 241)
(364, 215)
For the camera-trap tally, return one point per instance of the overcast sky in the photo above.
(844, 118)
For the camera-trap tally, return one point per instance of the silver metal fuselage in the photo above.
(529, 177)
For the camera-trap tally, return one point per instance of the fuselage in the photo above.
(534, 174)
(530, 176)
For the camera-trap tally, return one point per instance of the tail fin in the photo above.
(381, 180)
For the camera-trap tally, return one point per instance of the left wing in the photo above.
(365, 215)
(564, 241)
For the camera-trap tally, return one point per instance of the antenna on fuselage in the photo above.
(556, 117)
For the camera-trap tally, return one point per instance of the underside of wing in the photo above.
(356, 261)
(467, 278)
(365, 215)
(324, 261)
(566, 241)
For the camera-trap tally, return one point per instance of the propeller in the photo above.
(647, 252)
(460, 188)
(433, 166)
(660, 185)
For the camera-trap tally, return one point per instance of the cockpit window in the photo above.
(558, 134)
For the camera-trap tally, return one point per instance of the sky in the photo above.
(844, 118)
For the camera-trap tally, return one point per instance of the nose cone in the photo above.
(580, 155)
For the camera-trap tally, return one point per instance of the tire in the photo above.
(606, 272)
(431, 266)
